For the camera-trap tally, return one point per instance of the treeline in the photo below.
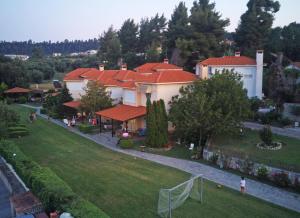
(48, 47)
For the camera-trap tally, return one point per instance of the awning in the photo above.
(17, 90)
(123, 112)
(72, 104)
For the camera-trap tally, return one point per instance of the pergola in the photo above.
(122, 113)
(17, 91)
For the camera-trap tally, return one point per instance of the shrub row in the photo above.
(44, 111)
(17, 131)
(86, 128)
(53, 192)
(126, 143)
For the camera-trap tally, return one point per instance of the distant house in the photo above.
(250, 69)
(20, 57)
(153, 80)
(56, 54)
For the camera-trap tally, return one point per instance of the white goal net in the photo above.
(170, 199)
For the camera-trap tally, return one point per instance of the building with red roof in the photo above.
(250, 69)
(159, 80)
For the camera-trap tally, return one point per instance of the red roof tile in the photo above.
(72, 104)
(75, 74)
(229, 60)
(148, 67)
(17, 90)
(123, 112)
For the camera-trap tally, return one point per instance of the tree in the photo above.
(266, 136)
(291, 41)
(7, 117)
(96, 98)
(37, 53)
(177, 27)
(207, 30)
(255, 25)
(150, 125)
(128, 36)
(3, 88)
(110, 48)
(64, 97)
(208, 108)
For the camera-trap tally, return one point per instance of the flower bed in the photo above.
(274, 146)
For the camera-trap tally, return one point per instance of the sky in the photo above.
(56, 20)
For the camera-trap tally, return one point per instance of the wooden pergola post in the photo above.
(112, 128)
(100, 123)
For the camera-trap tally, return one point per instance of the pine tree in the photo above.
(64, 97)
(164, 121)
(128, 36)
(151, 125)
(255, 26)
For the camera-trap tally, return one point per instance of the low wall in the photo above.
(247, 166)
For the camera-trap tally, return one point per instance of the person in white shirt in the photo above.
(243, 185)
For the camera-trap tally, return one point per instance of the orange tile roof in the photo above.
(148, 73)
(229, 60)
(148, 67)
(17, 90)
(72, 104)
(123, 112)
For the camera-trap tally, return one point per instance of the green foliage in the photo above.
(262, 173)
(255, 26)
(110, 49)
(3, 88)
(9, 100)
(128, 36)
(8, 117)
(96, 98)
(22, 100)
(60, 109)
(43, 111)
(208, 108)
(157, 124)
(53, 192)
(284, 121)
(126, 143)
(214, 158)
(281, 179)
(295, 110)
(86, 128)
(266, 135)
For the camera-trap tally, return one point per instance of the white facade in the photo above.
(251, 74)
(76, 88)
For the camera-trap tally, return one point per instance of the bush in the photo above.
(54, 115)
(44, 111)
(17, 134)
(22, 100)
(16, 125)
(126, 143)
(17, 128)
(214, 158)
(281, 179)
(266, 135)
(53, 192)
(284, 121)
(86, 128)
(10, 100)
(270, 117)
(262, 173)
(295, 110)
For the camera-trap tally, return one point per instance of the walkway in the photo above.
(5, 209)
(260, 190)
(290, 132)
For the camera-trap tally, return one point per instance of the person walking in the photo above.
(243, 185)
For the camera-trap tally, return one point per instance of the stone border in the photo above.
(276, 148)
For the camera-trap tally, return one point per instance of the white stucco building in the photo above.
(157, 80)
(250, 69)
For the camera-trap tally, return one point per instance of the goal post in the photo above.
(170, 199)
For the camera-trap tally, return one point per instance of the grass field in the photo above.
(124, 186)
(245, 147)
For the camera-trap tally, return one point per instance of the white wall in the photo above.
(116, 93)
(76, 89)
(247, 73)
(129, 97)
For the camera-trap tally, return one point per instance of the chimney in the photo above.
(259, 73)
(101, 67)
(166, 61)
(237, 54)
(123, 67)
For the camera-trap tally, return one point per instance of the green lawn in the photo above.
(124, 186)
(245, 147)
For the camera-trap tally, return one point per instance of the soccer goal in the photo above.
(170, 199)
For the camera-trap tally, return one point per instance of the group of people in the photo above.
(70, 122)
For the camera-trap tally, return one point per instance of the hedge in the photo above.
(126, 143)
(43, 111)
(86, 128)
(16, 134)
(53, 192)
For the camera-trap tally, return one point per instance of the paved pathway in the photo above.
(5, 209)
(290, 132)
(260, 190)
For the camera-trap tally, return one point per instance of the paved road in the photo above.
(260, 190)
(5, 209)
(290, 132)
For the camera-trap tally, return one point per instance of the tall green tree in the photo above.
(64, 97)
(96, 98)
(110, 48)
(207, 30)
(177, 27)
(255, 25)
(128, 36)
(151, 139)
(208, 108)
(291, 41)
